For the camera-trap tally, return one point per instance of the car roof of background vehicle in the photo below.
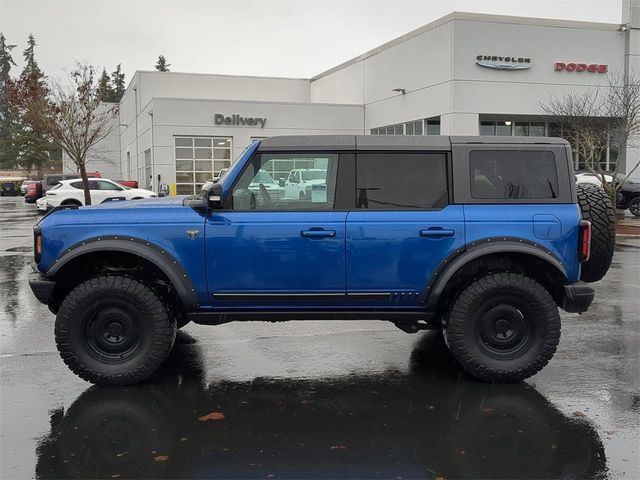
(392, 142)
(73, 180)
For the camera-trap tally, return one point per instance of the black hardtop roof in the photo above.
(393, 142)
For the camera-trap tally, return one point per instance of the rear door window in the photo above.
(513, 174)
(401, 181)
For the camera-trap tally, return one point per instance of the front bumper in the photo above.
(577, 297)
(41, 286)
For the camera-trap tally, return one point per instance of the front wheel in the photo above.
(634, 206)
(113, 330)
(503, 327)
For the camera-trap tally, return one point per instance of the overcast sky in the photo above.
(290, 38)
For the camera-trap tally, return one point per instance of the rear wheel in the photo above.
(634, 206)
(596, 207)
(113, 330)
(503, 327)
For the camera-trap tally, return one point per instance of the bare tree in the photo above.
(74, 115)
(598, 118)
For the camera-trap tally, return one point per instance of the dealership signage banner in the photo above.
(581, 67)
(236, 119)
(503, 62)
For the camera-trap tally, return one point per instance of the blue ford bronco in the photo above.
(483, 238)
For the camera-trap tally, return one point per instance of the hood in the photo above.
(115, 214)
(154, 202)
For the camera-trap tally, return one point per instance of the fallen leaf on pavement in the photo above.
(212, 416)
(161, 458)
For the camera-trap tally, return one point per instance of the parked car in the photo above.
(628, 195)
(300, 182)
(482, 238)
(25, 185)
(34, 192)
(52, 180)
(128, 183)
(8, 189)
(71, 192)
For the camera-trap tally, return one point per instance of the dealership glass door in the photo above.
(198, 160)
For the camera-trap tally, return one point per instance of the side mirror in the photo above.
(196, 202)
(281, 182)
(214, 196)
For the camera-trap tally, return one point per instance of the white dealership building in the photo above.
(464, 74)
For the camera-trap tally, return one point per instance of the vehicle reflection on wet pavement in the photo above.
(318, 399)
(423, 423)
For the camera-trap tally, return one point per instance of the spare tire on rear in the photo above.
(596, 207)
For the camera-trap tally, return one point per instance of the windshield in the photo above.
(314, 174)
(262, 177)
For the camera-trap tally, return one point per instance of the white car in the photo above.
(70, 192)
(591, 179)
(301, 182)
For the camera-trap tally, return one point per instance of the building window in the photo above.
(414, 127)
(521, 129)
(198, 160)
(487, 128)
(433, 126)
(503, 129)
(148, 170)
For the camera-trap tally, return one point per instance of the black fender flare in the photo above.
(479, 248)
(142, 248)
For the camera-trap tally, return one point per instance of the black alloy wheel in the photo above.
(503, 327)
(114, 330)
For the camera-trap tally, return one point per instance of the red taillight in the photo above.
(584, 246)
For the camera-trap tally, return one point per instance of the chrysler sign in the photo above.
(236, 119)
(503, 62)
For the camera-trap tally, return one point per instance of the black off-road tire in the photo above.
(113, 330)
(503, 327)
(596, 207)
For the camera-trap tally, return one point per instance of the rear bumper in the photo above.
(577, 297)
(41, 286)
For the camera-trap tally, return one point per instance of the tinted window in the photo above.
(102, 185)
(401, 181)
(53, 179)
(77, 185)
(513, 174)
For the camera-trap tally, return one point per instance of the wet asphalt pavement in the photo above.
(318, 399)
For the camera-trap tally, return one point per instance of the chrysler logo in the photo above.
(192, 233)
(503, 63)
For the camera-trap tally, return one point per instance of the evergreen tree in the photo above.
(118, 83)
(162, 65)
(31, 147)
(6, 61)
(8, 152)
(31, 66)
(105, 92)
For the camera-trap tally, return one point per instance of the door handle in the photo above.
(437, 232)
(318, 233)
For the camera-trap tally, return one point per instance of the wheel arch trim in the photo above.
(480, 248)
(154, 254)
